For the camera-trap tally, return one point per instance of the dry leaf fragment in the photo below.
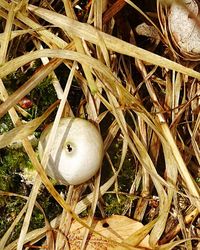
(144, 29)
(149, 31)
(116, 227)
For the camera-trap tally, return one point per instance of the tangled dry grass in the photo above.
(148, 97)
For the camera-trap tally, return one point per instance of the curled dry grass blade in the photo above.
(103, 87)
(30, 84)
(6, 236)
(115, 86)
(139, 235)
(51, 189)
(24, 130)
(143, 157)
(54, 193)
(45, 35)
(195, 138)
(10, 230)
(90, 34)
(7, 34)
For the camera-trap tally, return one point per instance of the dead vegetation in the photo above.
(138, 86)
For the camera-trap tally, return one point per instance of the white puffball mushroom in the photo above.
(183, 27)
(77, 151)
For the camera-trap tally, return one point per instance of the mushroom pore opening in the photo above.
(69, 147)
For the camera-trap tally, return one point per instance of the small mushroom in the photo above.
(77, 152)
(184, 29)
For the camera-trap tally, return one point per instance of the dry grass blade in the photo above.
(4, 14)
(172, 174)
(194, 190)
(90, 34)
(195, 138)
(79, 47)
(113, 10)
(172, 245)
(170, 235)
(32, 197)
(30, 84)
(146, 162)
(45, 35)
(139, 235)
(7, 34)
(24, 130)
(38, 76)
(54, 193)
(6, 236)
(143, 14)
(169, 145)
(140, 151)
(87, 59)
(37, 234)
(17, 33)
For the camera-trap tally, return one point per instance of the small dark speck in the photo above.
(69, 148)
(105, 224)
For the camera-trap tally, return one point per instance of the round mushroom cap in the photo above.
(77, 151)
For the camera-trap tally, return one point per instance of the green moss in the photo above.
(197, 180)
(115, 205)
(37, 219)
(14, 80)
(5, 124)
(11, 171)
(48, 203)
(125, 178)
(127, 174)
(42, 96)
(13, 161)
(10, 210)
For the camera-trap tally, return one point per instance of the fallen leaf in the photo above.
(116, 227)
